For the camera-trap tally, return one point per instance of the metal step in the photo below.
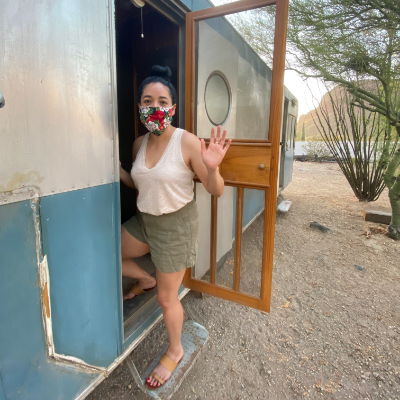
(194, 337)
(284, 206)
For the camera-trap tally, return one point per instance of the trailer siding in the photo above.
(79, 238)
(26, 371)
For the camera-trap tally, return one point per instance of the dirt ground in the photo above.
(333, 330)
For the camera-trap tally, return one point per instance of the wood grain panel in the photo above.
(213, 238)
(238, 238)
(250, 164)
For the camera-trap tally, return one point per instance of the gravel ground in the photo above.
(333, 330)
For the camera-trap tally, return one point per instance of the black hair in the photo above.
(162, 75)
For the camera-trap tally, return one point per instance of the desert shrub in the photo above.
(317, 149)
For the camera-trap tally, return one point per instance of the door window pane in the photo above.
(234, 73)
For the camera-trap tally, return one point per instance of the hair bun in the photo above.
(162, 72)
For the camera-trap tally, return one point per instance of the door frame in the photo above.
(262, 303)
(177, 14)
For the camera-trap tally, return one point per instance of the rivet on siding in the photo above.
(52, 191)
(73, 187)
(23, 185)
(102, 181)
(88, 184)
(5, 200)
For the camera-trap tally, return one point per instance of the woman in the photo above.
(165, 162)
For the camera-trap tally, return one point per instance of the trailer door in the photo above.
(228, 84)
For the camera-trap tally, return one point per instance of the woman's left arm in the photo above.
(205, 161)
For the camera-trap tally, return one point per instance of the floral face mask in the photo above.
(156, 119)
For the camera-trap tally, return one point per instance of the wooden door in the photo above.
(252, 161)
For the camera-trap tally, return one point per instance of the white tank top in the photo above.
(166, 187)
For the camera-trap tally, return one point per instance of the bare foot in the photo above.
(147, 283)
(161, 371)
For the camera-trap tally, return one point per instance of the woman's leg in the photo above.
(167, 293)
(132, 248)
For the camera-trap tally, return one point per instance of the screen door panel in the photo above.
(229, 84)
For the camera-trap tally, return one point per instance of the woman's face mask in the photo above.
(156, 119)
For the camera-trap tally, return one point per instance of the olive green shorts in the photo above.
(172, 237)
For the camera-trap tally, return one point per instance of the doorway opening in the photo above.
(135, 55)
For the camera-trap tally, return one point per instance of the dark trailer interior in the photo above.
(135, 55)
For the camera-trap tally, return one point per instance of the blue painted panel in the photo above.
(118, 270)
(2, 394)
(80, 239)
(288, 167)
(253, 203)
(26, 372)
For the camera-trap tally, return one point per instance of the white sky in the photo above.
(299, 88)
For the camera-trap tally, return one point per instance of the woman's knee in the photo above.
(167, 299)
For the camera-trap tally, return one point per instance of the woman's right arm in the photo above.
(125, 176)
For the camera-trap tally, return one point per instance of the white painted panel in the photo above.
(215, 53)
(224, 227)
(57, 127)
(203, 200)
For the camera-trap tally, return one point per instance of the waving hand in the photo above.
(212, 155)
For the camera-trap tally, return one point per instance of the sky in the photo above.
(301, 91)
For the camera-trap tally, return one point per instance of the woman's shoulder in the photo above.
(190, 139)
(136, 145)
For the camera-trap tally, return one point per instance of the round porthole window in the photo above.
(217, 98)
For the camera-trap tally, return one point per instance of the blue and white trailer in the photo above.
(68, 77)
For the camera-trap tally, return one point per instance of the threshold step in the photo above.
(194, 337)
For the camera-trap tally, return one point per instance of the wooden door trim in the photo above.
(278, 71)
(231, 8)
(213, 239)
(245, 142)
(276, 100)
(238, 239)
(244, 185)
(229, 294)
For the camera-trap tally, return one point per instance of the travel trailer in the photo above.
(68, 116)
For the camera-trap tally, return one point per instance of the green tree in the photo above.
(345, 42)
(303, 133)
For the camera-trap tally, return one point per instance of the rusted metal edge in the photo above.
(44, 282)
(44, 286)
(24, 193)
